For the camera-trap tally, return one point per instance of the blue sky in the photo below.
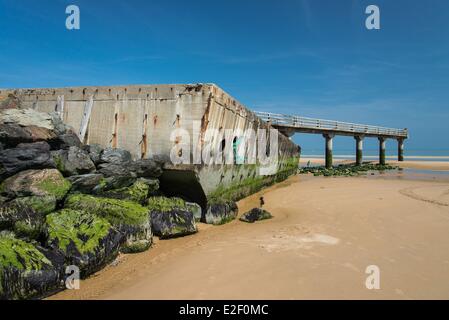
(311, 58)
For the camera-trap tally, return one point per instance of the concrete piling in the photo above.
(359, 150)
(400, 149)
(329, 146)
(382, 150)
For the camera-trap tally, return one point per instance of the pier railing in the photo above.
(304, 123)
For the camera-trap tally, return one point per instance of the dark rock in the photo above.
(146, 168)
(59, 127)
(25, 270)
(130, 218)
(170, 217)
(12, 134)
(255, 214)
(73, 161)
(45, 182)
(25, 156)
(94, 151)
(115, 156)
(87, 241)
(220, 212)
(85, 183)
(113, 170)
(65, 141)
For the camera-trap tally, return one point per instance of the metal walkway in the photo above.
(288, 124)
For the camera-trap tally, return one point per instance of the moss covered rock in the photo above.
(46, 182)
(87, 241)
(25, 272)
(26, 216)
(171, 217)
(137, 192)
(220, 212)
(255, 214)
(130, 218)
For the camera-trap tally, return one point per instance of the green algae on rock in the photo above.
(46, 182)
(171, 217)
(131, 219)
(26, 216)
(25, 272)
(137, 192)
(87, 241)
(220, 211)
(346, 170)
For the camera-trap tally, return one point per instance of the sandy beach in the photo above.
(324, 234)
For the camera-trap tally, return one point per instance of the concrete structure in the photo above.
(289, 125)
(153, 121)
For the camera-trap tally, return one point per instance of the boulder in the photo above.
(46, 182)
(195, 209)
(146, 168)
(85, 183)
(12, 134)
(65, 141)
(220, 212)
(25, 156)
(137, 192)
(255, 214)
(87, 241)
(94, 151)
(115, 156)
(114, 170)
(115, 182)
(73, 161)
(27, 118)
(170, 217)
(26, 216)
(25, 270)
(130, 218)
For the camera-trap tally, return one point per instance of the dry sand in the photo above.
(324, 234)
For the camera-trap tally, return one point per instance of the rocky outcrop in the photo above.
(130, 218)
(25, 156)
(87, 240)
(220, 212)
(73, 161)
(170, 217)
(255, 214)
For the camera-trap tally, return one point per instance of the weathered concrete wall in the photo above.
(141, 119)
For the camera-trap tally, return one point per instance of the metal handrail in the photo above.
(332, 125)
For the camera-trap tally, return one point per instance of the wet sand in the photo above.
(408, 164)
(324, 233)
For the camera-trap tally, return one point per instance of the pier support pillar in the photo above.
(329, 145)
(400, 149)
(382, 150)
(358, 150)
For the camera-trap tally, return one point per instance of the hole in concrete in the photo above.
(183, 184)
